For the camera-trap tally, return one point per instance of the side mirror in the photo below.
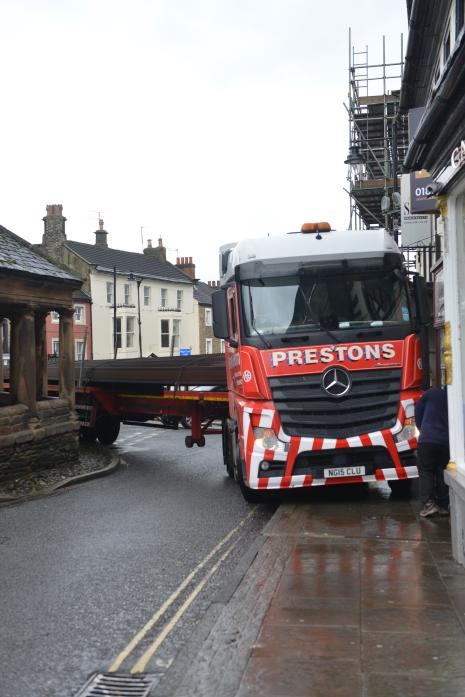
(420, 293)
(220, 315)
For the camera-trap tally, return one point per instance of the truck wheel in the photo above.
(400, 487)
(107, 428)
(227, 449)
(250, 495)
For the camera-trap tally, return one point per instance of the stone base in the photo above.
(456, 483)
(48, 438)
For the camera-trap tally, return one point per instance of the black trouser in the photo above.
(432, 459)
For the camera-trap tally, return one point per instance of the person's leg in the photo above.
(441, 493)
(425, 463)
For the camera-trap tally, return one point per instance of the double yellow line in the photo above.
(140, 665)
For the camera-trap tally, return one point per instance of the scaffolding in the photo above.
(378, 140)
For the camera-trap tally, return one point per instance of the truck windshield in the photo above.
(308, 302)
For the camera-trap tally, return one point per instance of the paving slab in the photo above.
(345, 598)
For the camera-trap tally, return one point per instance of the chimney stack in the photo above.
(101, 235)
(157, 252)
(54, 236)
(185, 264)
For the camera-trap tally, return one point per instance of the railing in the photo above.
(420, 259)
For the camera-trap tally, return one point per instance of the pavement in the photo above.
(343, 596)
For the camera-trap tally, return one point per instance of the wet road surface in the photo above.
(84, 571)
(117, 573)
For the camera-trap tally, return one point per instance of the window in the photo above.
(163, 297)
(79, 350)
(127, 294)
(222, 348)
(130, 322)
(56, 347)
(55, 317)
(109, 293)
(79, 314)
(146, 295)
(179, 299)
(118, 332)
(208, 345)
(165, 333)
(208, 316)
(176, 332)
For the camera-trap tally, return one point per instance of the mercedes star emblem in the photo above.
(336, 382)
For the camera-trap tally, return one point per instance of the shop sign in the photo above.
(457, 159)
(415, 229)
(420, 202)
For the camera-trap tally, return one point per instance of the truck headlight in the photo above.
(265, 438)
(408, 432)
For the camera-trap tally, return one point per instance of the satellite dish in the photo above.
(385, 204)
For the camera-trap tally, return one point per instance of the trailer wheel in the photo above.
(201, 442)
(400, 487)
(186, 422)
(107, 428)
(189, 441)
(87, 434)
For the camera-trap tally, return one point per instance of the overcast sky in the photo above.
(205, 121)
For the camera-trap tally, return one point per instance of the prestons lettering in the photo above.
(331, 354)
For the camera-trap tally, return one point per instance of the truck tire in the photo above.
(107, 428)
(250, 495)
(227, 449)
(400, 487)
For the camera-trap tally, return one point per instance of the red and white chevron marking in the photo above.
(253, 453)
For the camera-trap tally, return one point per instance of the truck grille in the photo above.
(305, 409)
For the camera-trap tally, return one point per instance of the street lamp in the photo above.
(138, 280)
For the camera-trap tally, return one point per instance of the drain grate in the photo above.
(117, 685)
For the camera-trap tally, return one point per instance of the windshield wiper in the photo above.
(252, 317)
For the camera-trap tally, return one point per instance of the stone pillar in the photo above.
(41, 355)
(66, 359)
(23, 359)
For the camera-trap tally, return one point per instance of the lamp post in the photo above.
(138, 280)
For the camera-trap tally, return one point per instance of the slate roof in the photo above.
(145, 265)
(19, 257)
(203, 293)
(81, 295)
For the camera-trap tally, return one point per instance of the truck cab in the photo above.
(323, 359)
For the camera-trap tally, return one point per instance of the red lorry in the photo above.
(323, 359)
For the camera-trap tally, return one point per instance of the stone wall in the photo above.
(31, 442)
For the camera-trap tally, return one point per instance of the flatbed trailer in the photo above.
(146, 389)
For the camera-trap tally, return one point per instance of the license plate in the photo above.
(331, 472)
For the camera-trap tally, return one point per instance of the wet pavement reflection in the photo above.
(370, 602)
